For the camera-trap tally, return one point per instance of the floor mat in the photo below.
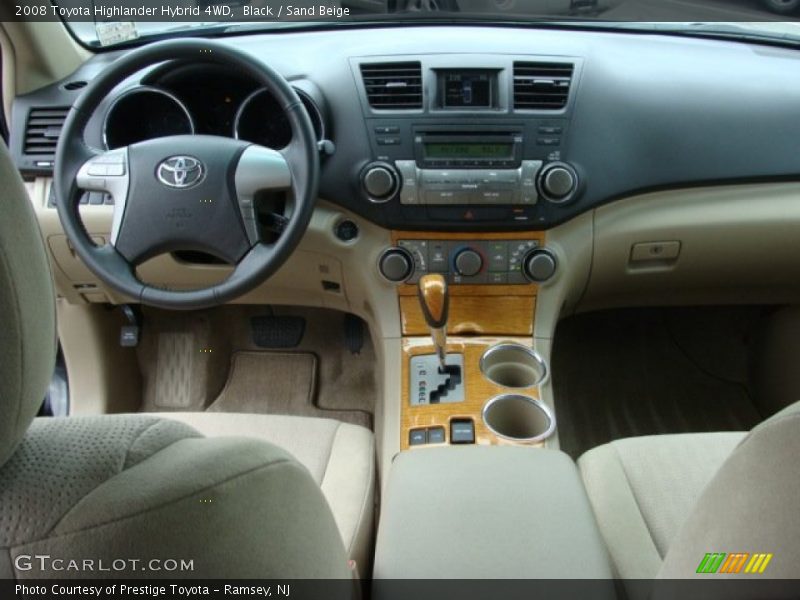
(277, 383)
(345, 381)
(627, 373)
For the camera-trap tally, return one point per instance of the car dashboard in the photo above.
(613, 168)
(471, 128)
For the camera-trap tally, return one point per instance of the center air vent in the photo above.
(541, 85)
(393, 86)
(43, 129)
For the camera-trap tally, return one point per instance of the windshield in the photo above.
(111, 22)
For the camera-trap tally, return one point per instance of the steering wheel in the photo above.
(187, 192)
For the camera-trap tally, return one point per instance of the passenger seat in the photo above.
(662, 502)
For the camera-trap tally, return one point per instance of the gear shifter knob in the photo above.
(434, 299)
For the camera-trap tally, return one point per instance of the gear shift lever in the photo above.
(434, 299)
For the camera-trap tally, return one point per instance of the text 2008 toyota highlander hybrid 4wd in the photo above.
(428, 299)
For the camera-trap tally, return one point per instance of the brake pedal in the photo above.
(277, 332)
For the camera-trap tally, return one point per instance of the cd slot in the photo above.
(467, 149)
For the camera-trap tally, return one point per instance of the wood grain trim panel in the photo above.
(478, 391)
(475, 315)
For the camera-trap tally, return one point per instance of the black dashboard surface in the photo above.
(645, 111)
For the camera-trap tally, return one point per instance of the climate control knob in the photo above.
(380, 181)
(396, 265)
(558, 182)
(468, 263)
(539, 265)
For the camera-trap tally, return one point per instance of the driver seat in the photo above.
(127, 488)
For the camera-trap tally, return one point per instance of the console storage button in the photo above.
(462, 431)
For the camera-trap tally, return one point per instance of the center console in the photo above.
(487, 391)
(470, 157)
(488, 513)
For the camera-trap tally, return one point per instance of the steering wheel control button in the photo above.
(380, 182)
(396, 265)
(558, 182)
(462, 431)
(346, 230)
(468, 263)
(539, 265)
(115, 170)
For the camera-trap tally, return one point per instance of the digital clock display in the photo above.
(462, 150)
(467, 89)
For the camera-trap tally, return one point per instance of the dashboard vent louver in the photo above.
(43, 130)
(74, 85)
(541, 85)
(393, 86)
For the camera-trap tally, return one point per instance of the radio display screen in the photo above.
(467, 150)
(466, 89)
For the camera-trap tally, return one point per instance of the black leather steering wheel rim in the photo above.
(262, 260)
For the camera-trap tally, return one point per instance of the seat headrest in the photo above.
(27, 311)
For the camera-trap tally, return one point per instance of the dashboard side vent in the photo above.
(71, 86)
(43, 129)
(393, 86)
(541, 85)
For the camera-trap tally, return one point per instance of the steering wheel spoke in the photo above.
(260, 169)
(109, 173)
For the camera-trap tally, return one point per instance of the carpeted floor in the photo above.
(639, 372)
(208, 360)
(281, 383)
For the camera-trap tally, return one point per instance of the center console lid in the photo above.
(487, 513)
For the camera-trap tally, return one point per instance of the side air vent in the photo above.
(393, 86)
(541, 85)
(74, 85)
(42, 131)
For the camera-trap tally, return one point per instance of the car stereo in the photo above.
(465, 149)
(457, 166)
(487, 168)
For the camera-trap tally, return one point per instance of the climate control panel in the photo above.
(481, 262)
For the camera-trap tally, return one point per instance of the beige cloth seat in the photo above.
(663, 501)
(643, 489)
(339, 456)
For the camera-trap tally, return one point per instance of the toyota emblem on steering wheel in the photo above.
(180, 172)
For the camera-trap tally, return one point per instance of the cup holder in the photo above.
(513, 366)
(519, 418)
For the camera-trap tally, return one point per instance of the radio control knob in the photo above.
(468, 263)
(558, 182)
(539, 265)
(380, 182)
(396, 265)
